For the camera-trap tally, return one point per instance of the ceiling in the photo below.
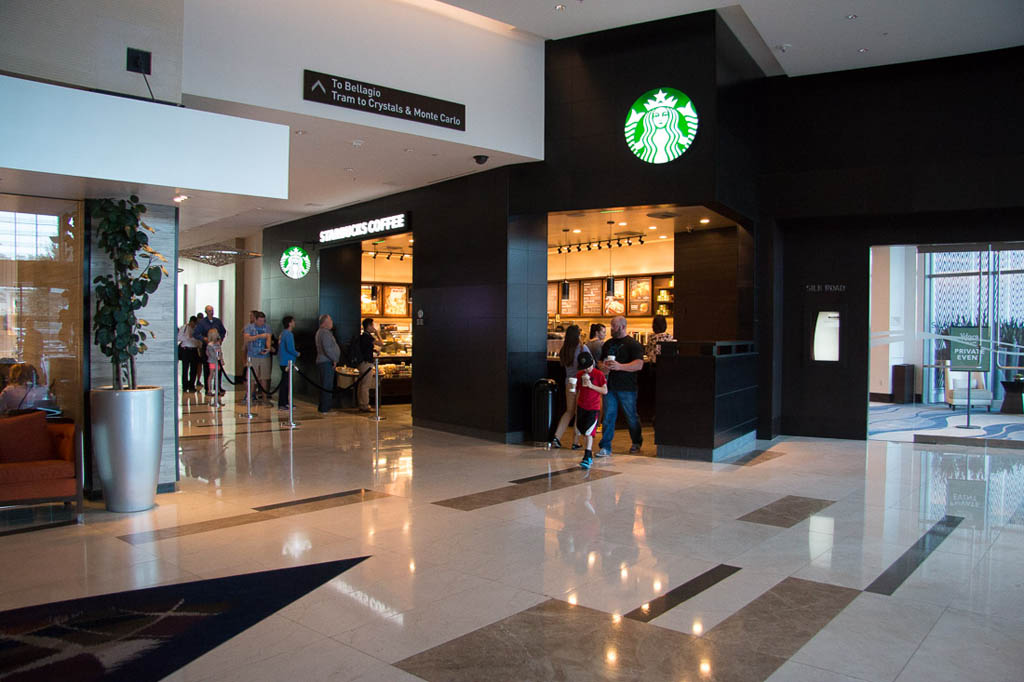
(574, 228)
(804, 36)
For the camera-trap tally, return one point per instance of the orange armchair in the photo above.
(39, 461)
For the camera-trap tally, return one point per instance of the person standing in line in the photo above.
(257, 348)
(327, 355)
(622, 357)
(213, 359)
(367, 351)
(660, 328)
(597, 333)
(202, 331)
(568, 356)
(286, 353)
(189, 355)
(592, 385)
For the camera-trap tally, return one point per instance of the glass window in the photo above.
(41, 305)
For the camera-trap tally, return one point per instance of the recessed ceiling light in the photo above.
(705, 221)
(178, 198)
(862, 50)
(577, 231)
(652, 227)
(559, 8)
(410, 241)
(300, 132)
(851, 16)
(664, 236)
(357, 143)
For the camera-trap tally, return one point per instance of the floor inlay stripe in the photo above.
(895, 575)
(785, 617)
(518, 491)
(678, 595)
(540, 477)
(787, 511)
(556, 641)
(265, 513)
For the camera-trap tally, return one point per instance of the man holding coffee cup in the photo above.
(622, 357)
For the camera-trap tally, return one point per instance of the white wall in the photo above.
(880, 380)
(234, 53)
(896, 308)
(53, 129)
(85, 43)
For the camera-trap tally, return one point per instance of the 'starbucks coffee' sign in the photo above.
(295, 262)
(661, 125)
(969, 351)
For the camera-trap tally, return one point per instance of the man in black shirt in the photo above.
(367, 349)
(622, 357)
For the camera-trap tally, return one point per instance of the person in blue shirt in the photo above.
(256, 335)
(201, 331)
(286, 352)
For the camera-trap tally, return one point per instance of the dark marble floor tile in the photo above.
(784, 618)
(259, 515)
(787, 511)
(678, 595)
(756, 457)
(322, 502)
(557, 641)
(900, 570)
(529, 488)
(550, 474)
(193, 528)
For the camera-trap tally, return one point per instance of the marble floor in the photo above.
(812, 559)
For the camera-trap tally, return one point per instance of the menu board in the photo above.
(396, 301)
(571, 305)
(367, 305)
(552, 298)
(593, 297)
(639, 295)
(616, 304)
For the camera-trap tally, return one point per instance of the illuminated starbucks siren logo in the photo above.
(295, 262)
(661, 125)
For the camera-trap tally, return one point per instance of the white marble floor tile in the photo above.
(968, 646)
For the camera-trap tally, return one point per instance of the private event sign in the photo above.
(967, 351)
(391, 223)
(295, 262)
(349, 93)
(661, 125)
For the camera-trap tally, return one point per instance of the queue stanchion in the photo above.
(291, 403)
(248, 389)
(376, 389)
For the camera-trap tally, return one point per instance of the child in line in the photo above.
(213, 361)
(591, 385)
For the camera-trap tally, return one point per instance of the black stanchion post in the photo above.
(248, 388)
(376, 389)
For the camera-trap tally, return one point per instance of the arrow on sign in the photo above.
(320, 85)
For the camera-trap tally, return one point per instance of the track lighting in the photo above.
(402, 257)
(618, 243)
(559, 250)
(641, 240)
(599, 246)
(373, 254)
(629, 242)
(589, 247)
(389, 257)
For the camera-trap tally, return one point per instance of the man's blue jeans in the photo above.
(612, 401)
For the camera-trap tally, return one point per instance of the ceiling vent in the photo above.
(664, 215)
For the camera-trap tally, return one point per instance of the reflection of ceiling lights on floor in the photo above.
(218, 254)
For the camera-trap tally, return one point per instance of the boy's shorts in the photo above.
(586, 421)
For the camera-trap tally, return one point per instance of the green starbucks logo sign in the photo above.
(661, 125)
(295, 262)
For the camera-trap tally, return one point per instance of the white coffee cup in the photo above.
(572, 384)
(610, 358)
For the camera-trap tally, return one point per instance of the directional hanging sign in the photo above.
(377, 99)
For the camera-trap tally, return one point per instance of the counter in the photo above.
(707, 401)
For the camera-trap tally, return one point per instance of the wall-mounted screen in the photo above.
(825, 344)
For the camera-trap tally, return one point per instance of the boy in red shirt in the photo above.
(592, 385)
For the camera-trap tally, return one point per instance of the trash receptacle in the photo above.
(543, 410)
(903, 383)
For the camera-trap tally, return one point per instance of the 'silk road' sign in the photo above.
(376, 99)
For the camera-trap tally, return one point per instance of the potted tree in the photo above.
(127, 419)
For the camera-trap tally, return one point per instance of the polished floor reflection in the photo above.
(505, 562)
